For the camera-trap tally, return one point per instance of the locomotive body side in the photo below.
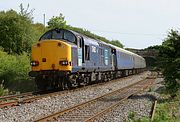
(91, 56)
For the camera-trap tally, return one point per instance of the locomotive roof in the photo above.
(79, 34)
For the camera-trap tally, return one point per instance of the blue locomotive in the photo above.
(63, 58)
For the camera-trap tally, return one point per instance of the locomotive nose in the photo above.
(52, 55)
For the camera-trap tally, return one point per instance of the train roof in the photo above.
(125, 51)
(113, 46)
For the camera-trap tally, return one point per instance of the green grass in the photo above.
(168, 110)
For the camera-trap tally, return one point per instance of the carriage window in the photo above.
(106, 56)
(87, 52)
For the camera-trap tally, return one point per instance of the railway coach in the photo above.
(64, 58)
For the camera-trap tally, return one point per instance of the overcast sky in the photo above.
(136, 23)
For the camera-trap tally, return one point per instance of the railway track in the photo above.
(9, 97)
(94, 108)
(14, 100)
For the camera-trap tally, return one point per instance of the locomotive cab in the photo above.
(53, 51)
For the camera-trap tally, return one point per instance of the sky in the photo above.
(135, 23)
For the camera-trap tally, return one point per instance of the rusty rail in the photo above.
(14, 100)
(16, 96)
(153, 110)
(122, 92)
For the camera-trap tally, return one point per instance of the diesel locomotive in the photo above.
(63, 59)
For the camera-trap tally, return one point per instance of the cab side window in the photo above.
(47, 35)
(69, 36)
(87, 52)
(79, 42)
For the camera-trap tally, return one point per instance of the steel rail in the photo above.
(57, 114)
(153, 110)
(116, 104)
(15, 96)
(19, 99)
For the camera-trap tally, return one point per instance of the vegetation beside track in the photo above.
(14, 73)
(168, 62)
(168, 109)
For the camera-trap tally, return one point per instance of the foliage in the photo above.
(155, 47)
(13, 68)
(26, 13)
(161, 114)
(57, 22)
(117, 43)
(133, 118)
(168, 110)
(17, 32)
(169, 61)
(39, 30)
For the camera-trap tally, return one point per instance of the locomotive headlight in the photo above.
(34, 63)
(63, 62)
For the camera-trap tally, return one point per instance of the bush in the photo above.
(14, 70)
(169, 61)
(168, 110)
(17, 32)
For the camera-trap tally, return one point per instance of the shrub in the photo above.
(14, 70)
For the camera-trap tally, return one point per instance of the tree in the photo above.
(57, 22)
(17, 33)
(39, 29)
(169, 61)
(26, 13)
(117, 43)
